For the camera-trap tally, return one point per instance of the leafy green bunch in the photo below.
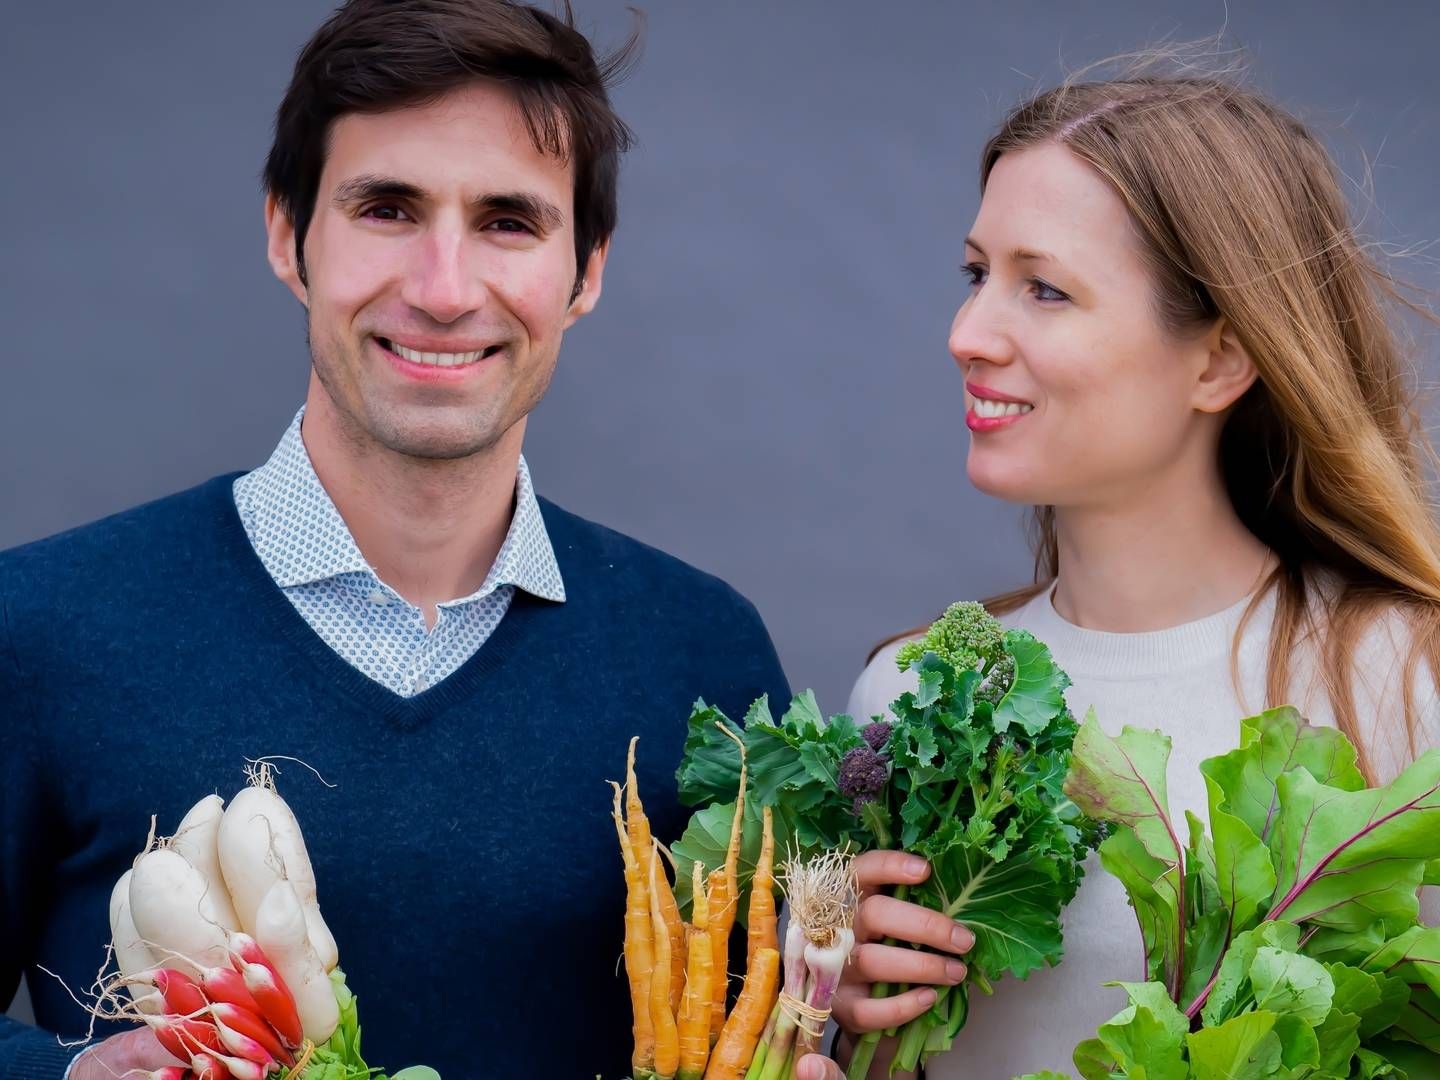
(969, 773)
(1285, 945)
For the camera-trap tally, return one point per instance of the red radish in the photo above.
(169, 1072)
(208, 1068)
(280, 930)
(250, 1026)
(244, 1047)
(182, 994)
(225, 984)
(240, 1069)
(182, 1036)
(245, 948)
(277, 1005)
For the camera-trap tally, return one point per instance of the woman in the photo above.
(1175, 348)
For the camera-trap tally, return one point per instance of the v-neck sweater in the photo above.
(465, 855)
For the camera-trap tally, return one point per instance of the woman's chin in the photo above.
(1002, 480)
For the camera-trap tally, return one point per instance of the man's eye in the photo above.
(383, 212)
(509, 225)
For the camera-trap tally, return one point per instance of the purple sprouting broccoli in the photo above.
(967, 637)
(877, 735)
(863, 774)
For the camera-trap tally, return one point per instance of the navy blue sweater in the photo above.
(466, 861)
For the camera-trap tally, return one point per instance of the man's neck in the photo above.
(1173, 554)
(431, 529)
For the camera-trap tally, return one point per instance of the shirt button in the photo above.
(378, 597)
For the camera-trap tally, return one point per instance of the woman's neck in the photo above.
(1173, 555)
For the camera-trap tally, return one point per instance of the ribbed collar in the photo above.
(1145, 655)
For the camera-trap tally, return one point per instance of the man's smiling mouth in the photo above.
(436, 358)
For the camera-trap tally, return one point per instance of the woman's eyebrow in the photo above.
(1017, 254)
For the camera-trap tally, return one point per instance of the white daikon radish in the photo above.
(320, 936)
(198, 840)
(131, 954)
(260, 843)
(281, 932)
(169, 902)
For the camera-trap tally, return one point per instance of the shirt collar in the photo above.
(301, 538)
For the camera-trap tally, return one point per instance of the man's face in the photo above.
(440, 265)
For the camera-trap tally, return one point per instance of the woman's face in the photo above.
(1075, 394)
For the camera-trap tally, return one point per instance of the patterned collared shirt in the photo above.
(305, 545)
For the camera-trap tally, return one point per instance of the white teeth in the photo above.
(987, 409)
(438, 359)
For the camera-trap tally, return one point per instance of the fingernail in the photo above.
(954, 970)
(927, 997)
(915, 865)
(962, 938)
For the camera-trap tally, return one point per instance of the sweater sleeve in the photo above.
(1385, 683)
(26, 1052)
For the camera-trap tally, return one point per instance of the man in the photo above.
(386, 599)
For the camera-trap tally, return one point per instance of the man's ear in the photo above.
(280, 248)
(1228, 372)
(588, 294)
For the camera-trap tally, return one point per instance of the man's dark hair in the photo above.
(375, 55)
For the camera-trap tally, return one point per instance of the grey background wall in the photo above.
(764, 389)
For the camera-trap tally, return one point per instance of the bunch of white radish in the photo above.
(220, 941)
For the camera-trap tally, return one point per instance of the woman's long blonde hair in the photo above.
(1241, 215)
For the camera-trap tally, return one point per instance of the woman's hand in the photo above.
(880, 917)
(816, 1067)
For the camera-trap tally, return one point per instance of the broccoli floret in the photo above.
(966, 637)
(863, 774)
(998, 680)
(877, 735)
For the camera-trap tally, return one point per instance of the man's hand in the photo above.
(871, 962)
(129, 1053)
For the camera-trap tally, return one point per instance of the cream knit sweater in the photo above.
(1178, 680)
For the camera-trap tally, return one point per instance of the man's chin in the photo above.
(428, 437)
(440, 448)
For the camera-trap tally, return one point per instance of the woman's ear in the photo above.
(1228, 370)
(280, 248)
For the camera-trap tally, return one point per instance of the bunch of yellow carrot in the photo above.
(678, 971)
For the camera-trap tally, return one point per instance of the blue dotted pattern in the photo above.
(305, 545)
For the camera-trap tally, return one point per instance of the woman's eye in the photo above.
(976, 274)
(383, 212)
(1047, 292)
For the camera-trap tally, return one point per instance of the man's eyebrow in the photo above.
(1018, 254)
(541, 211)
(363, 188)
